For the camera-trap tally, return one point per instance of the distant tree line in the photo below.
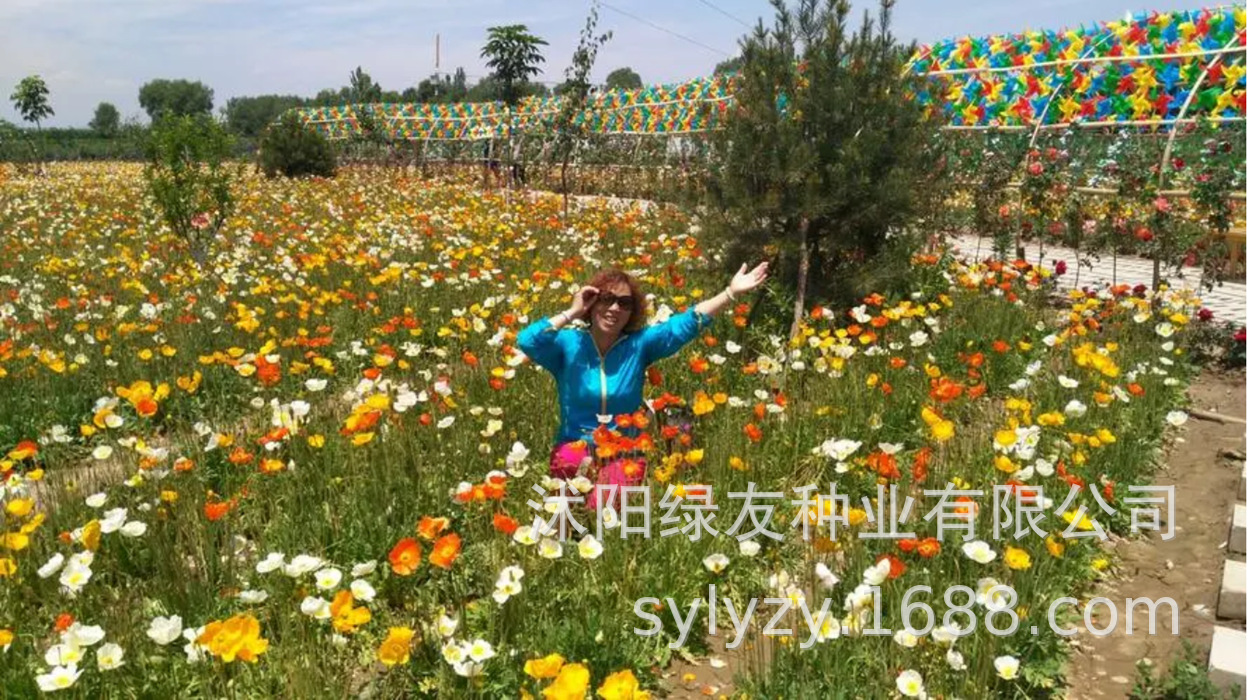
(512, 54)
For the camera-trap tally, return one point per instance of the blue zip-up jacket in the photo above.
(611, 384)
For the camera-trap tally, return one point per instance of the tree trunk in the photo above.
(564, 185)
(805, 260)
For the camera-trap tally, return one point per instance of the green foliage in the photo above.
(729, 66)
(439, 89)
(292, 149)
(623, 79)
(512, 54)
(821, 155)
(362, 89)
(161, 98)
(568, 134)
(30, 99)
(1217, 345)
(1185, 679)
(107, 120)
(250, 116)
(189, 179)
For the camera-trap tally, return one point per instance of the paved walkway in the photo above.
(1227, 301)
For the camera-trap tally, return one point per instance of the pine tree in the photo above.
(821, 153)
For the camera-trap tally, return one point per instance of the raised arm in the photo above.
(742, 283)
(538, 340)
(665, 339)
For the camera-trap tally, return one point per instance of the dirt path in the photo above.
(1186, 568)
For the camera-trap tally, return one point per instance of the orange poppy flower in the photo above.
(920, 463)
(429, 528)
(752, 432)
(24, 449)
(505, 523)
(446, 551)
(217, 511)
(897, 566)
(929, 547)
(63, 622)
(493, 490)
(944, 390)
(405, 557)
(147, 407)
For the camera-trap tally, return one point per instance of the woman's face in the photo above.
(612, 309)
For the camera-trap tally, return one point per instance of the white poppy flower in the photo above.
(272, 562)
(588, 548)
(315, 607)
(302, 564)
(63, 655)
(80, 635)
(252, 597)
(164, 630)
(1007, 666)
(59, 678)
(481, 650)
(52, 566)
(910, 684)
(328, 578)
(716, 563)
(362, 590)
(550, 549)
(827, 577)
(979, 551)
(446, 626)
(109, 657)
(876, 574)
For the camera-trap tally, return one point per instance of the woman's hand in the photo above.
(582, 301)
(742, 283)
(745, 281)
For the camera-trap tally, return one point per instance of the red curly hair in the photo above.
(613, 276)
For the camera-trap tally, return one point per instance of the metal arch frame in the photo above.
(1037, 130)
(926, 51)
(1167, 149)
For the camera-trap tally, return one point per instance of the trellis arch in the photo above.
(1161, 47)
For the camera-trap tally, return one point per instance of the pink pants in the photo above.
(568, 458)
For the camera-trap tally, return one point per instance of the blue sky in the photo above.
(90, 51)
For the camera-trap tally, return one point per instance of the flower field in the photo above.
(313, 467)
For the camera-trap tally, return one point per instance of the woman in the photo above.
(600, 370)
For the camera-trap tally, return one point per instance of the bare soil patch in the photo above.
(1188, 567)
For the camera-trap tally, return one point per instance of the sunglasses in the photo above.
(608, 299)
